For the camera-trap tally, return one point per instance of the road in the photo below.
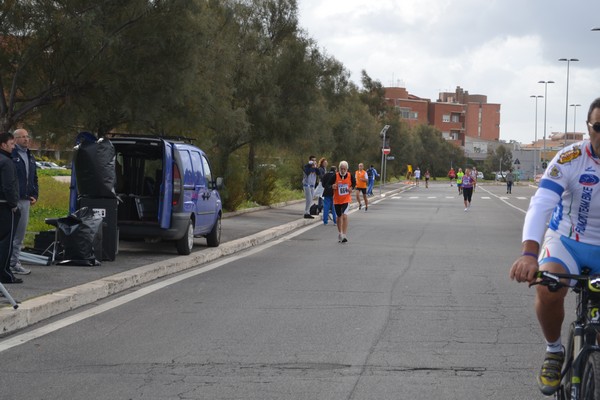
(418, 305)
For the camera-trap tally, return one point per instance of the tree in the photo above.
(501, 159)
(373, 95)
(79, 63)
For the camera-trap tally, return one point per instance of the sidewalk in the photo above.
(51, 290)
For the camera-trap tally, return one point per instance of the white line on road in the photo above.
(54, 326)
(503, 200)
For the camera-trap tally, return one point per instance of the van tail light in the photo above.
(176, 185)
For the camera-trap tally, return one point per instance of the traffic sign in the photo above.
(390, 158)
(386, 150)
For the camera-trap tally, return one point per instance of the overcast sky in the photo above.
(498, 48)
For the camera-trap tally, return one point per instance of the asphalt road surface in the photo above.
(418, 305)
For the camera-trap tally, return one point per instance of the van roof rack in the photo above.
(178, 138)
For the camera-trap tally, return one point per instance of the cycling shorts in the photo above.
(569, 253)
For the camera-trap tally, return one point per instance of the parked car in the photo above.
(166, 191)
(48, 165)
(479, 175)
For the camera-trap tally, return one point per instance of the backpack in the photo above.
(370, 172)
(314, 209)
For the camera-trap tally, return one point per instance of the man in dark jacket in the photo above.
(9, 210)
(28, 194)
(327, 180)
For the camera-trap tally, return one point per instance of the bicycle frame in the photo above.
(584, 332)
(583, 342)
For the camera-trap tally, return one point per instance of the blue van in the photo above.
(166, 191)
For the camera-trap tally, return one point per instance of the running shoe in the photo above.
(20, 270)
(549, 376)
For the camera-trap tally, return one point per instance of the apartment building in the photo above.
(458, 115)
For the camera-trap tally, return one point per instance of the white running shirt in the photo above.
(568, 196)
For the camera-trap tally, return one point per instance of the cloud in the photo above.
(499, 48)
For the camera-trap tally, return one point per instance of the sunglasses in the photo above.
(595, 126)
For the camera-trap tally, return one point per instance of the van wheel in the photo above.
(213, 239)
(185, 244)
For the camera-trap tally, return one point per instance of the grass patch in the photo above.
(53, 202)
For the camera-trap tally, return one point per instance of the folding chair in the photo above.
(54, 246)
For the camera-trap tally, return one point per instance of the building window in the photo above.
(446, 118)
(455, 117)
(407, 113)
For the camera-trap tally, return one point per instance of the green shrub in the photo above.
(234, 185)
(263, 186)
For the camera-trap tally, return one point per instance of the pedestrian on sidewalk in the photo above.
(323, 163)
(342, 197)
(328, 180)
(309, 179)
(28, 194)
(9, 206)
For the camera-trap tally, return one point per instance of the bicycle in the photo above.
(581, 369)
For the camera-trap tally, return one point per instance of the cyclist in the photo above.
(569, 198)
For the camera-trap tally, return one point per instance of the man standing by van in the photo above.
(309, 179)
(9, 206)
(28, 194)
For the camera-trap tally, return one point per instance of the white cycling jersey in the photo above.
(568, 197)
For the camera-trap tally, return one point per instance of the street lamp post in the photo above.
(383, 143)
(545, 111)
(568, 60)
(574, 116)
(535, 157)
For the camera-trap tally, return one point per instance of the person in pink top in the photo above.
(468, 183)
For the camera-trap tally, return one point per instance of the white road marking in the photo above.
(70, 320)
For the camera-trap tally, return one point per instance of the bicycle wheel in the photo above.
(590, 380)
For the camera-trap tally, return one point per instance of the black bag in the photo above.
(95, 169)
(81, 237)
(314, 209)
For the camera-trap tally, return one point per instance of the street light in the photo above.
(545, 110)
(536, 159)
(383, 143)
(568, 60)
(574, 117)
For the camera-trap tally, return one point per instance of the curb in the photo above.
(37, 309)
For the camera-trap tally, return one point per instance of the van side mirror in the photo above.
(217, 184)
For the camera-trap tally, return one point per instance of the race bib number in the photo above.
(343, 189)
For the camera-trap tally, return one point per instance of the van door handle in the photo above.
(206, 195)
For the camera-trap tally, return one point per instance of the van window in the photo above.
(207, 172)
(197, 168)
(186, 164)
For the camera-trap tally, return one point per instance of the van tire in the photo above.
(186, 243)
(213, 239)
